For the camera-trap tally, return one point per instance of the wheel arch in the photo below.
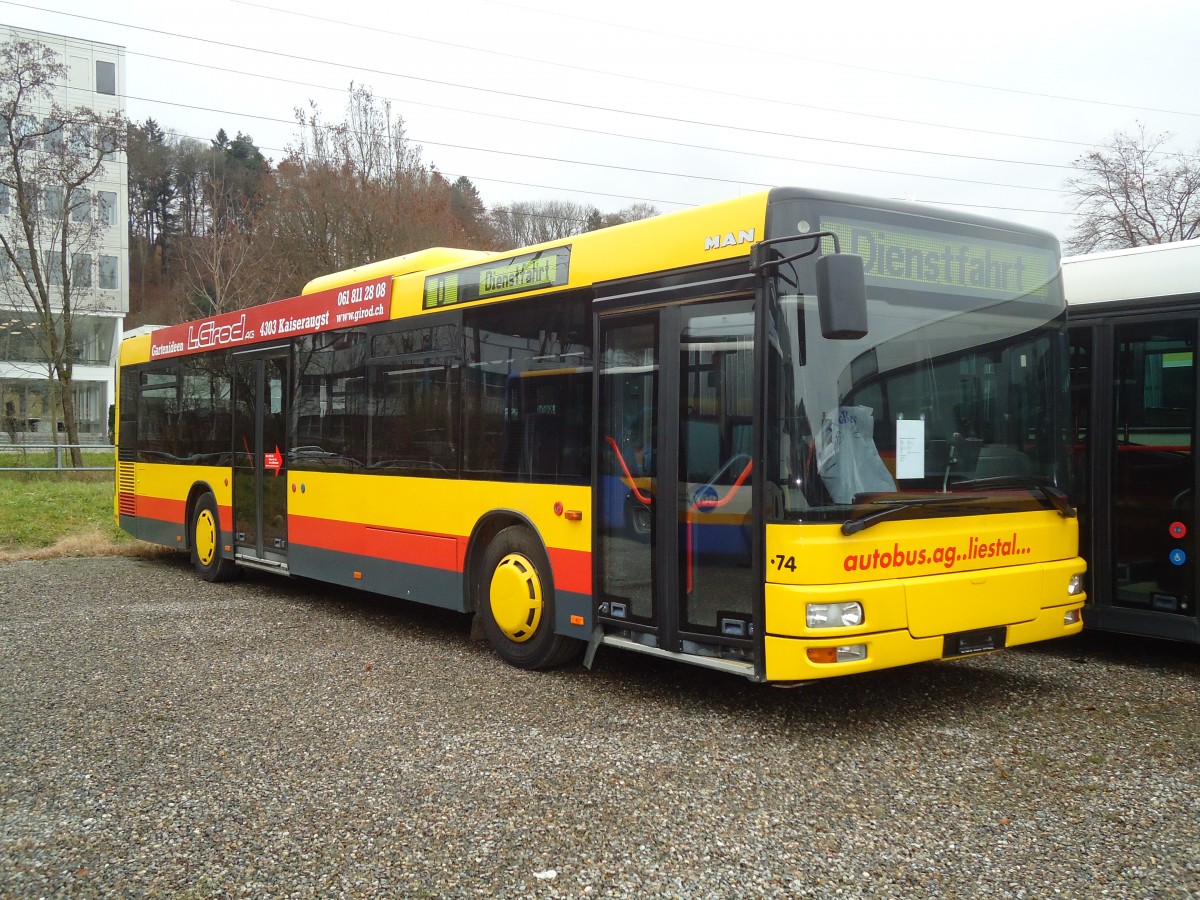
(482, 534)
(198, 490)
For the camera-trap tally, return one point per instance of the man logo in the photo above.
(745, 236)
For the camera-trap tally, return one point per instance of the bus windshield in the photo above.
(954, 388)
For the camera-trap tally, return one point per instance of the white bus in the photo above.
(1134, 317)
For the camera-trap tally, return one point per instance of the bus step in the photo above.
(265, 565)
(733, 666)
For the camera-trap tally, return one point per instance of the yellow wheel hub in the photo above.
(515, 596)
(206, 537)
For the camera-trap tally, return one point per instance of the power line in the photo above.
(586, 130)
(536, 98)
(600, 165)
(644, 80)
(766, 51)
(527, 121)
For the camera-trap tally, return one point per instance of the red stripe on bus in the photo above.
(162, 509)
(572, 568)
(174, 511)
(438, 551)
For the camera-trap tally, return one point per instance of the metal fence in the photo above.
(17, 457)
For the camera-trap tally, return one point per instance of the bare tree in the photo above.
(50, 237)
(358, 191)
(633, 213)
(1132, 192)
(536, 221)
(228, 267)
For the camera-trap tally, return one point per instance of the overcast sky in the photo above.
(979, 105)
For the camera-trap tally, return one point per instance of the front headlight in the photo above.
(833, 615)
(1075, 585)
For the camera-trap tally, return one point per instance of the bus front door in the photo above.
(675, 497)
(260, 456)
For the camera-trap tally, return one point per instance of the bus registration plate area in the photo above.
(964, 643)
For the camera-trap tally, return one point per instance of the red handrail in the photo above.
(642, 498)
(734, 488)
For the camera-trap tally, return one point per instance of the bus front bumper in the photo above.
(899, 627)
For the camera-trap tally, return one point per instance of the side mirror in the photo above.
(842, 296)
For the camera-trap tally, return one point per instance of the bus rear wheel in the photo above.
(516, 602)
(206, 542)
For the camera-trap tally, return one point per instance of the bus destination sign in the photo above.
(527, 272)
(943, 262)
(328, 310)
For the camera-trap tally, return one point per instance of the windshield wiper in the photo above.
(891, 507)
(1057, 498)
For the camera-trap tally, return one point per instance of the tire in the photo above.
(205, 533)
(516, 603)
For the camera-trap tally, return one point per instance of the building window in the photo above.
(52, 202)
(26, 126)
(80, 140)
(5, 266)
(52, 141)
(54, 267)
(106, 77)
(108, 272)
(108, 145)
(108, 207)
(81, 270)
(81, 205)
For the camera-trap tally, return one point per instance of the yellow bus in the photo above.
(792, 435)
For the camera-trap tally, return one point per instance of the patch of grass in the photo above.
(50, 514)
(19, 456)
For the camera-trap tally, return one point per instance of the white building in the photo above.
(97, 80)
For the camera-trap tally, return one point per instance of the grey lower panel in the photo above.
(422, 584)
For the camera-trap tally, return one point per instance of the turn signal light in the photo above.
(844, 653)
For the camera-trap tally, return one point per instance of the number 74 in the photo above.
(782, 562)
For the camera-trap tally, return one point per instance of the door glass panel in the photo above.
(1079, 438)
(245, 433)
(1153, 484)
(627, 471)
(274, 455)
(260, 456)
(716, 489)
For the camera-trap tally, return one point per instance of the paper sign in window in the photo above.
(910, 448)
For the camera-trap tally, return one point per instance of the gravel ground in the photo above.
(266, 738)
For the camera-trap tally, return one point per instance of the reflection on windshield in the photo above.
(930, 398)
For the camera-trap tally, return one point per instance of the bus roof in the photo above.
(1154, 271)
(429, 281)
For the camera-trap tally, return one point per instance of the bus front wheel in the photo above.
(517, 602)
(206, 542)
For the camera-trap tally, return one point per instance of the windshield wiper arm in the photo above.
(1057, 498)
(891, 507)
